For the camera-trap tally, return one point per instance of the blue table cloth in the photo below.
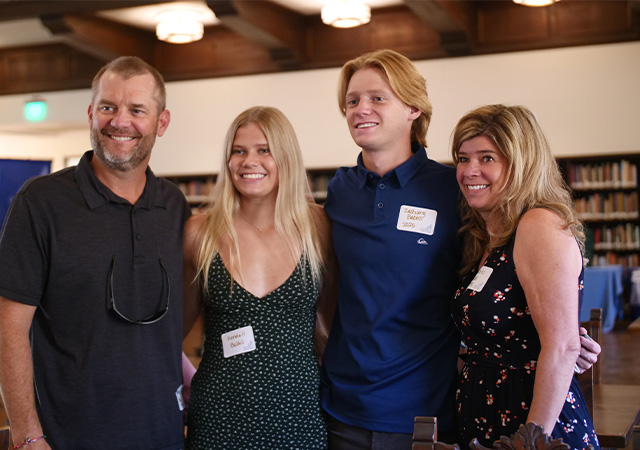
(603, 289)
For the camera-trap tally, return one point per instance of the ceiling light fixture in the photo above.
(179, 26)
(535, 2)
(346, 13)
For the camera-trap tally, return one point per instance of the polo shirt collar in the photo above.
(96, 194)
(403, 173)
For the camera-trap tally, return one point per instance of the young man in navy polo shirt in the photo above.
(392, 349)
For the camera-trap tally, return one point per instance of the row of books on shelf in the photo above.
(623, 237)
(606, 175)
(611, 258)
(319, 182)
(197, 188)
(610, 206)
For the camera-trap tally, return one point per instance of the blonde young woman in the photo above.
(517, 307)
(256, 262)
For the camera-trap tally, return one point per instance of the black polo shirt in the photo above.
(101, 382)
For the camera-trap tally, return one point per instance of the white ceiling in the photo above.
(23, 32)
(31, 31)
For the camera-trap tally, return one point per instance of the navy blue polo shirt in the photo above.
(392, 348)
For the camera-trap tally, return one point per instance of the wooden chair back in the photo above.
(593, 376)
(5, 432)
(5, 437)
(528, 437)
(425, 435)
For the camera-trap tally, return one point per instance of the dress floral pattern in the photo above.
(496, 384)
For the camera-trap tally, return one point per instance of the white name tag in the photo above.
(480, 279)
(417, 220)
(238, 341)
(180, 398)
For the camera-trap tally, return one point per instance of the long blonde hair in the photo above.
(293, 211)
(533, 179)
(405, 81)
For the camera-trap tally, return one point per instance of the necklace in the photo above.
(260, 229)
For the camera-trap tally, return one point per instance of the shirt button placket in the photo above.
(379, 207)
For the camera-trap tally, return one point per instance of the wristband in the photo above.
(28, 440)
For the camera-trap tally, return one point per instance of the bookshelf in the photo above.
(606, 198)
(318, 182)
(196, 188)
(199, 187)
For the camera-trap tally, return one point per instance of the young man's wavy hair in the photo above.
(405, 81)
(294, 216)
(533, 179)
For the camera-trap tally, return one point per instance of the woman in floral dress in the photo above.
(517, 306)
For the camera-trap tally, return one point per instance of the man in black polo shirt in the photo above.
(91, 285)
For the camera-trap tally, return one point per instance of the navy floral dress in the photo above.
(496, 384)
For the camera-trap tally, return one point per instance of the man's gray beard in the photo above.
(137, 157)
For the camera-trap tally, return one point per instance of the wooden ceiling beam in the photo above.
(453, 21)
(15, 10)
(261, 37)
(277, 29)
(99, 37)
(51, 67)
(634, 6)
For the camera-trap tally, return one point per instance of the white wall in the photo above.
(586, 98)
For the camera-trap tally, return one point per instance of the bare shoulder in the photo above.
(196, 220)
(323, 231)
(320, 218)
(541, 224)
(195, 223)
(537, 217)
(541, 233)
(193, 230)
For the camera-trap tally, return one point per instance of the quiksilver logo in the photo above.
(421, 241)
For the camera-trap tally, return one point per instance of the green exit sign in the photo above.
(35, 110)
